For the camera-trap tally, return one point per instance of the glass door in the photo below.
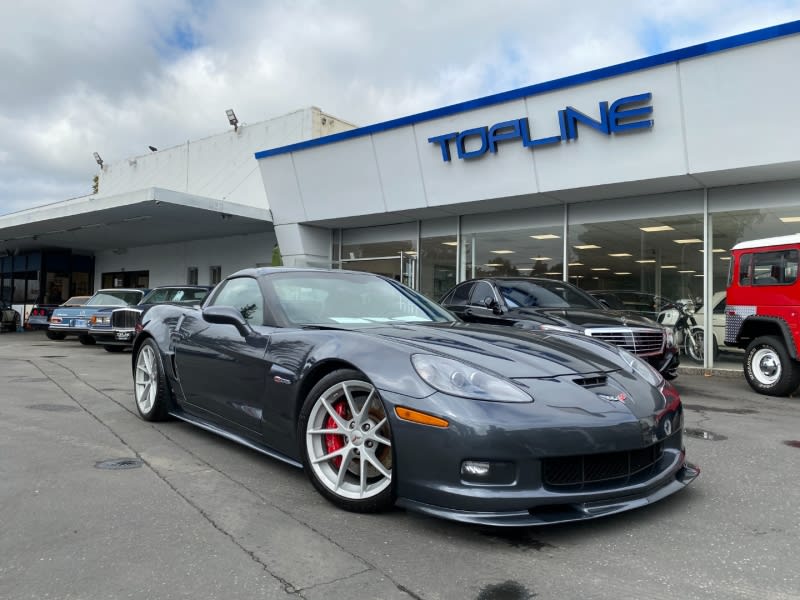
(402, 268)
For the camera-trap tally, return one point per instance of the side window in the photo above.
(775, 268)
(480, 292)
(744, 269)
(460, 296)
(244, 295)
(719, 309)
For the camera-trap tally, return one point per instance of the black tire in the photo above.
(87, 340)
(113, 348)
(699, 337)
(54, 335)
(768, 367)
(150, 390)
(354, 484)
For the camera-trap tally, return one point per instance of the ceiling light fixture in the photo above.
(501, 251)
(655, 228)
(790, 219)
(689, 241)
(620, 254)
(687, 271)
(587, 247)
(600, 269)
(622, 273)
(669, 266)
(577, 264)
(538, 258)
(450, 243)
(546, 236)
(646, 261)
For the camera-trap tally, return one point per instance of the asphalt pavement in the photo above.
(182, 513)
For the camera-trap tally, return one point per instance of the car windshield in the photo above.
(115, 298)
(351, 299)
(544, 294)
(177, 294)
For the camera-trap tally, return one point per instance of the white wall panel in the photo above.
(742, 106)
(167, 263)
(280, 180)
(399, 170)
(339, 179)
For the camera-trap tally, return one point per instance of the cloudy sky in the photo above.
(114, 77)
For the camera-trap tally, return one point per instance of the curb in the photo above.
(728, 373)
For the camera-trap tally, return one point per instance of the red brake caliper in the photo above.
(333, 441)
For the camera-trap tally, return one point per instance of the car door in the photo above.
(223, 372)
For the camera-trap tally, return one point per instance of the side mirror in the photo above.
(227, 315)
(493, 305)
(605, 304)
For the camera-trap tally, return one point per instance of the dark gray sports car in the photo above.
(384, 398)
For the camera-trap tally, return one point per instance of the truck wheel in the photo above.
(768, 367)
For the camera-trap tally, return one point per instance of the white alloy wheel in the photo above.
(348, 442)
(150, 384)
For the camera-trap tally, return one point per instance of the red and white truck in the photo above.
(763, 312)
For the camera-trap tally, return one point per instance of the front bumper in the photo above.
(68, 330)
(113, 336)
(524, 440)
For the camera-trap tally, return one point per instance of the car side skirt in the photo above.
(202, 424)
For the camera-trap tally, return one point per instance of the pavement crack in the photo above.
(287, 586)
(256, 493)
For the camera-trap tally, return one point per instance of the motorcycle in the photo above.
(689, 336)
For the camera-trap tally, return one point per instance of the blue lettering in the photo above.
(481, 132)
(573, 115)
(496, 133)
(526, 136)
(618, 112)
(444, 143)
(624, 114)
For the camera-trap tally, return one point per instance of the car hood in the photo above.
(582, 318)
(512, 353)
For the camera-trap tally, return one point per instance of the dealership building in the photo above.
(639, 176)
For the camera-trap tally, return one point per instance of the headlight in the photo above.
(101, 320)
(641, 368)
(456, 378)
(670, 336)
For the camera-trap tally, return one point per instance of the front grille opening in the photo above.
(595, 470)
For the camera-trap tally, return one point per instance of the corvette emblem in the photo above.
(667, 427)
(621, 397)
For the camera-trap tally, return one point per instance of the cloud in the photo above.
(116, 77)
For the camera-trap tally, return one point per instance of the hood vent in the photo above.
(589, 382)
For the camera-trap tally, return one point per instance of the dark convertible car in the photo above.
(541, 303)
(384, 398)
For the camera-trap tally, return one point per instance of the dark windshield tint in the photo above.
(519, 293)
(349, 299)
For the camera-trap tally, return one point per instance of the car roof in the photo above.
(259, 271)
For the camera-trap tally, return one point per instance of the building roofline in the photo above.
(639, 64)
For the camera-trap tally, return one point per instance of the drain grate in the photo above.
(54, 407)
(117, 464)
(703, 434)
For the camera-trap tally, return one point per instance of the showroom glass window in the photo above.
(513, 243)
(389, 250)
(438, 253)
(653, 246)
